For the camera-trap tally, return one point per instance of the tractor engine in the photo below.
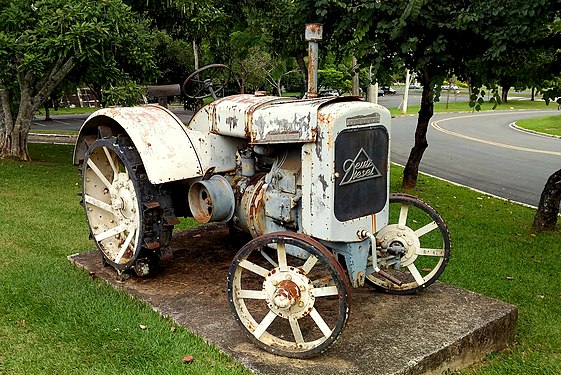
(312, 166)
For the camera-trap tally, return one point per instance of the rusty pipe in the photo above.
(313, 35)
(362, 234)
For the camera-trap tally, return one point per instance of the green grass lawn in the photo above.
(56, 319)
(66, 111)
(453, 106)
(549, 124)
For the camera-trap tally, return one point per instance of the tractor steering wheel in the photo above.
(206, 81)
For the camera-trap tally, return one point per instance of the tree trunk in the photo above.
(47, 113)
(196, 54)
(411, 171)
(6, 119)
(504, 94)
(304, 70)
(14, 143)
(548, 209)
(279, 86)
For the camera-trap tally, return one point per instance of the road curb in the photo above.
(56, 139)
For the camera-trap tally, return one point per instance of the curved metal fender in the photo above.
(159, 136)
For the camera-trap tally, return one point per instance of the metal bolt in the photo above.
(302, 287)
(301, 304)
(288, 277)
(275, 282)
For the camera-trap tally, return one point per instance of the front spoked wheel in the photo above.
(414, 250)
(289, 294)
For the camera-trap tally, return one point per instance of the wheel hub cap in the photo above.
(289, 293)
(123, 198)
(393, 235)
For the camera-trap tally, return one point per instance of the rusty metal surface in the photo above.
(442, 328)
(313, 34)
(164, 90)
(232, 115)
(159, 136)
(319, 172)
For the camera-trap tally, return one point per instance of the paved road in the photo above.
(482, 151)
(74, 122)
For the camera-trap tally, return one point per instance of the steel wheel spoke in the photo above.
(110, 232)
(403, 216)
(100, 175)
(281, 254)
(430, 252)
(265, 323)
(320, 323)
(98, 203)
(416, 274)
(325, 291)
(125, 246)
(426, 229)
(296, 330)
(310, 263)
(418, 245)
(252, 294)
(111, 163)
(254, 268)
(268, 258)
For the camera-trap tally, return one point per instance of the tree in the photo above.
(548, 208)
(42, 42)
(279, 69)
(198, 22)
(433, 40)
(550, 199)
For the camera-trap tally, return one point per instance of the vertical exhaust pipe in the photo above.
(313, 35)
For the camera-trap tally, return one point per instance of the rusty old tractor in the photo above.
(308, 179)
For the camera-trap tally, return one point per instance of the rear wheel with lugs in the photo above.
(130, 220)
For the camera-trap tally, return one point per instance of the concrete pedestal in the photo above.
(443, 328)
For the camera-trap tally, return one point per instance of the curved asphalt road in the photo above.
(482, 151)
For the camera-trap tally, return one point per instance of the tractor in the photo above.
(307, 179)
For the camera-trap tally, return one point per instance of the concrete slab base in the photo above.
(444, 328)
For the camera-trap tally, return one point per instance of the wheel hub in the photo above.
(289, 293)
(123, 198)
(405, 237)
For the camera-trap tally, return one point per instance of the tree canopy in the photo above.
(478, 41)
(42, 42)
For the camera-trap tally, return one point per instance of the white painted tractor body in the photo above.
(307, 179)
